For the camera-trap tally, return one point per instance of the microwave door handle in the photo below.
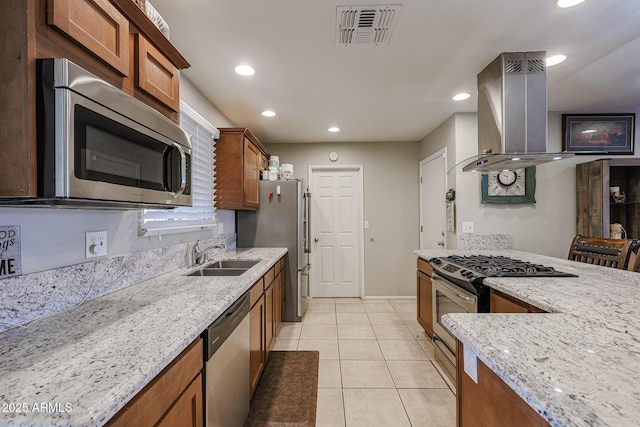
(183, 171)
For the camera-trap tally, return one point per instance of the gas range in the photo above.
(470, 270)
(457, 287)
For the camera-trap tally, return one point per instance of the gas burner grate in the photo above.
(501, 266)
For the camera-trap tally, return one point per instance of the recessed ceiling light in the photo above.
(568, 3)
(334, 129)
(245, 70)
(555, 60)
(268, 113)
(461, 96)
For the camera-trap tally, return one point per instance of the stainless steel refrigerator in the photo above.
(282, 220)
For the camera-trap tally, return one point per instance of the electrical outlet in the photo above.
(467, 227)
(95, 244)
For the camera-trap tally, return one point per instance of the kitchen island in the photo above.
(577, 365)
(82, 365)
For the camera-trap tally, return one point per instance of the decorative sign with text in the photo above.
(10, 253)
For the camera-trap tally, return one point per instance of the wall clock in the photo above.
(509, 186)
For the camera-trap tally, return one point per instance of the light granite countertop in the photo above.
(80, 366)
(579, 365)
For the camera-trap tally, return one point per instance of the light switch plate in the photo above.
(366, 224)
(95, 244)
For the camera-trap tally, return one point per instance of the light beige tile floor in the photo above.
(376, 365)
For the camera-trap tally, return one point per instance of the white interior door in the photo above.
(336, 246)
(433, 189)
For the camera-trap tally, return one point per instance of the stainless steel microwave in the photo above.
(100, 147)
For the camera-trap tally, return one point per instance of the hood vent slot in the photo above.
(513, 66)
(365, 25)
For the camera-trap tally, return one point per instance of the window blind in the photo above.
(202, 214)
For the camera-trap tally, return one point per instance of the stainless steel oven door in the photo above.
(448, 298)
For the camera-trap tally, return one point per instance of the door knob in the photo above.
(315, 240)
(441, 243)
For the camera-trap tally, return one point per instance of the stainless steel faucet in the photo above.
(197, 255)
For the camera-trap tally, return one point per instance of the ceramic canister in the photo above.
(274, 162)
(287, 171)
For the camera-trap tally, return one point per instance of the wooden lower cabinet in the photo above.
(269, 314)
(490, 402)
(278, 299)
(267, 301)
(257, 345)
(188, 410)
(174, 397)
(503, 303)
(424, 296)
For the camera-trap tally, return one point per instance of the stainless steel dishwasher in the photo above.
(227, 380)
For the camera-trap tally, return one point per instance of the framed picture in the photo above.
(509, 186)
(598, 133)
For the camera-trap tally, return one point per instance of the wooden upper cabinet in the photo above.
(239, 159)
(251, 174)
(97, 26)
(113, 39)
(156, 75)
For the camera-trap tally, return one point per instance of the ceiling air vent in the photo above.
(365, 25)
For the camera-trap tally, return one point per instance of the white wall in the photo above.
(390, 205)
(546, 227)
(54, 238)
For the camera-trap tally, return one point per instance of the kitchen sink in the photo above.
(218, 272)
(225, 267)
(233, 263)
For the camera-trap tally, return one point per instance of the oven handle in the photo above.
(183, 171)
(464, 298)
(468, 302)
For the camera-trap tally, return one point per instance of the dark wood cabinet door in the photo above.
(160, 397)
(503, 303)
(269, 317)
(256, 342)
(425, 303)
(187, 411)
(490, 402)
(96, 25)
(252, 156)
(156, 75)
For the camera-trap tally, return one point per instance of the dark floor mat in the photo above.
(287, 393)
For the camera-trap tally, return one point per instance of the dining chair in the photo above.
(615, 253)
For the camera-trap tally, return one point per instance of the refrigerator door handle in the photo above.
(307, 240)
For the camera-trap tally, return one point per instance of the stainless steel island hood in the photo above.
(512, 114)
